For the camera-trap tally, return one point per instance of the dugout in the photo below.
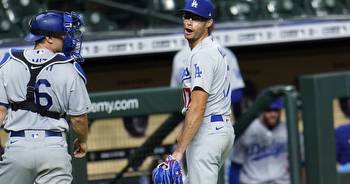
(317, 120)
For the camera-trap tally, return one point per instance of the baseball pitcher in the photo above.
(207, 135)
(179, 64)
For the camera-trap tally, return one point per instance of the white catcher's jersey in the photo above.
(207, 67)
(59, 87)
(179, 63)
(263, 154)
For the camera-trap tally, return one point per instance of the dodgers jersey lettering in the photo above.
(50, 92)
(181, 58)
(263, 153)
(204, 68)
(342, 138)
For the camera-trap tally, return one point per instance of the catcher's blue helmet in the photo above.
(58, 23)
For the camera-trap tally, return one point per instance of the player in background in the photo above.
(38, 87)
(207, 135)
(342, 138)
(260, 155)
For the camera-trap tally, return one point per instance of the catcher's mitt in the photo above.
(168, 172)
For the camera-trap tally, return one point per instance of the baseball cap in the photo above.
(277, 104)
(203, 8)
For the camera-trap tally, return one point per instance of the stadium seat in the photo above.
(21, 11)
(346, 6)
(165, 5)
(242, 10)
(97, 15)
(327, 7)
(7, 29)
(96, 21)
(22, 8)
(282, 9)
(169, 8)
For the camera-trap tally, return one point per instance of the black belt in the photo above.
(48, 133)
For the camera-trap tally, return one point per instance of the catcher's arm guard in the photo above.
(168, 172)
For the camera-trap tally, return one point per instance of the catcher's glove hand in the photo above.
(168, 172)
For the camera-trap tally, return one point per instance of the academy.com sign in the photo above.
(117, 105)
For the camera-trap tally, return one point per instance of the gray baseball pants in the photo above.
(207, 152)
(36, 158)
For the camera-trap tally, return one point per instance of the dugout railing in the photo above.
(122, 104)
(317, 94)
(167, 100)
(290, 96)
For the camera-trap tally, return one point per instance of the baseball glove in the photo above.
(168, 172)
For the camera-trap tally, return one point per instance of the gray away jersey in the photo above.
(59, 87)
(263, 154)
(207, 67)
(179, 63)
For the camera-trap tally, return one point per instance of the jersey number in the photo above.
(42, 95)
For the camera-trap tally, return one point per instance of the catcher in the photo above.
(40, 86)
